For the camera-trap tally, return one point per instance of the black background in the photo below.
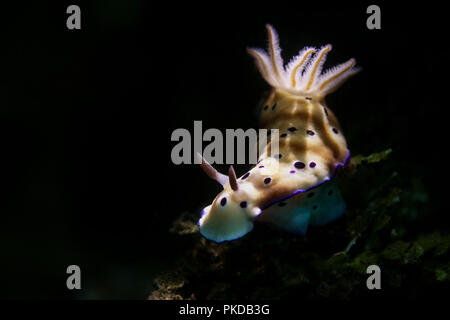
(87, 115)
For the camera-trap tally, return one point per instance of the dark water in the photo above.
(87, 116)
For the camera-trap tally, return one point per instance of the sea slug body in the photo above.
(294, 188)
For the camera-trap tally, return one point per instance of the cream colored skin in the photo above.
(223, 223)
(309, 134)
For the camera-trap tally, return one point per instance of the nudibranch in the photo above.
(295, 188)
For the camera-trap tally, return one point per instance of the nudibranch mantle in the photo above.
(295, 188)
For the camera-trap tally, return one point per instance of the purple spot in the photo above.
(335, 130)
(292, 129)
(243, 204)
(267, 180)
(299, 165)
(312, 164)
(283, 135)
(223, 202)
(292, 171)
(245, 176)
(308, 98)
(261, 167)
(310, 132)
